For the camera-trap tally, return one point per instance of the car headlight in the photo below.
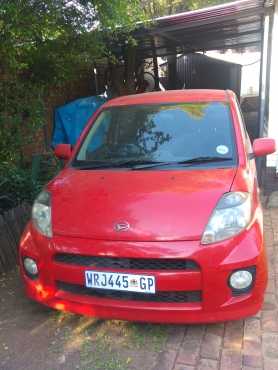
(231, 215)
(41, 213)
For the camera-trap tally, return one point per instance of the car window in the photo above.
(247, 141)
(165, 132)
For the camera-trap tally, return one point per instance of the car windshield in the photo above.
(157, 134)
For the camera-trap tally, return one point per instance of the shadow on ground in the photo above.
(34, 337)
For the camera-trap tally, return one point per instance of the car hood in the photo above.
(156, 205)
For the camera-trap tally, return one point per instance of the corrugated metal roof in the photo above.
(237, 24)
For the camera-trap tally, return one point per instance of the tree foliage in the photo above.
(159, 8)
(45, 43)
(53, 32)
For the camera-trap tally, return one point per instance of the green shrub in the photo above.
(22, 184)
(16, 186)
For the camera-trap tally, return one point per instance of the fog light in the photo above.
(30, 267)
(241, 279)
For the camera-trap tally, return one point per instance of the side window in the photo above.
(248, 144)
(249, 148)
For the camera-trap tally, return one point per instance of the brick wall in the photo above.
(81, 87)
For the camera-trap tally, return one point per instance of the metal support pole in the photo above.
(263, 78)
(263, 93)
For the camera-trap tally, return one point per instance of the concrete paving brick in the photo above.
(231, 360)
(166, 360)
(269, 302)
(189, 352)
(175, 337)
(195, 332)
(270, 346)
(183, 367)
(271, 286)
(206, 364)
(217, 329)
(233, 334)
(253, 361)
(252, 347)
(270, 364)
(211, 346)
(252, 329)
(270, 321)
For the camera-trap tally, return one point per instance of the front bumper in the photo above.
(216, 263)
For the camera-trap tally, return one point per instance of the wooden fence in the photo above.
(12, 224)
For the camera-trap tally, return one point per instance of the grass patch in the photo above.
(101, 354)
(151, 335)
(106, 345)
(113, 344)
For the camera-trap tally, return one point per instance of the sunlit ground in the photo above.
(107, 344)
(51, 340)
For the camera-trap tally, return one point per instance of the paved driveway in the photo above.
(33, 337)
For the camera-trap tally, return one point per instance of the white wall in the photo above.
(250, 73)
(273, 92)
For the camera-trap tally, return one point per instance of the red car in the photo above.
(155, 217)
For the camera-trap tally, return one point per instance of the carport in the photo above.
(233, 25)
(238, 25)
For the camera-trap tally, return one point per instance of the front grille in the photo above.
(165, 296)
(126, 263)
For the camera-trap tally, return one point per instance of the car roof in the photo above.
(171, 96)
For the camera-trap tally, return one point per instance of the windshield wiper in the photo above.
(196, 160)
(132, 163)
(140, 164)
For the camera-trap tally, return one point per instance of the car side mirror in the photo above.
(63, 151)
(263, 146)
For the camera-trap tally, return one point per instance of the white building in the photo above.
(273, 88)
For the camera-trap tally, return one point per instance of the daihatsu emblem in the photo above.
(121, 226)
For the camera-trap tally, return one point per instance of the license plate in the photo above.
(118, 281)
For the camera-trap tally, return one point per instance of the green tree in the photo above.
(59, 30)
(45, 43)
(159, 8)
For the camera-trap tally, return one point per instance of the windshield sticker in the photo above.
(222, 149)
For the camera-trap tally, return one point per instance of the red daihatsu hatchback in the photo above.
(156, 215)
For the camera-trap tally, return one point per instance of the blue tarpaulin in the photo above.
(70, 119)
